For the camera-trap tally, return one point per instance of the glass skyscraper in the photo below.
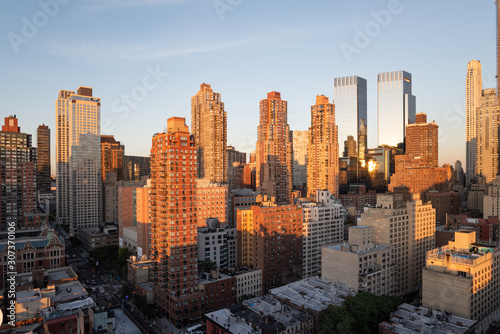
(396, 107)
(351, 111)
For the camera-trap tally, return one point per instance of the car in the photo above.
(93, 282)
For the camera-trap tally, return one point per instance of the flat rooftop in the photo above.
(313, 293)
(408, 319)
(123, 323)
(227, 320)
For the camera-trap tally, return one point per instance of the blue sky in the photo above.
(244, 49)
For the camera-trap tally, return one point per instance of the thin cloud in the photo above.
(107, 4)
(102, 50)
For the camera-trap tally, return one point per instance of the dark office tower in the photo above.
(43, 178)
(17, 174)
(135, 168)
(111, 157)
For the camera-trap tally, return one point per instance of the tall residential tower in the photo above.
(78, 182)
(17, 174)
(323, 149)
(473, 89)
(174, 247)
(274, 150)
(209, 125)
(43, 178)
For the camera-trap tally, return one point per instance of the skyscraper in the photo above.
(300, 139)
(209, 125)
(323, 149)
(111, 157)
(78, 182)
(396, 107)
(134, 167)
(174, 232)
(43, 158)
(17, 174)
(473, 89)
(274, 150)
(350, 95)
(487, 129)
(422, 140)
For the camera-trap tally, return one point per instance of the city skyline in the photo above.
(113, 66)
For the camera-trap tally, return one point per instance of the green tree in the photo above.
(359, 314)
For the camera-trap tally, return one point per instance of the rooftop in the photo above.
(230, 322)
(410, 319)
(358, 249)
(313, 293)
(123, 323)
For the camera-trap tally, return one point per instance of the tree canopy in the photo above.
(359, 314)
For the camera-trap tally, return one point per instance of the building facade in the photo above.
(43, 179)
(487, 123)
(422, 140)
(78, 182)
(473, 89)
(300, 140)
(323, 225)
(18, 174)
(209, 127)
(39, 248)
(467, 272)
(360, 264)
(111, 157)
(270, 238)
(173, 223)
(351, 112)
(323, 149)
(409, 226)
(135, 168)
(212, 201)
(274, 166)
(396, 106)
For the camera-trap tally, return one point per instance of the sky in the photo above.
(146, 58)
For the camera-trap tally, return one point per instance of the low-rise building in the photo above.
(360, 263)
(248, 282)
(139, 270)
(408, 319)
(40, 248)
(312, 295)
(218, 291)
(95, 237)
(265, 315)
